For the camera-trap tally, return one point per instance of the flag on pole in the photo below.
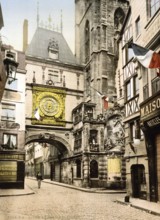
(36, 114)
(104, 98)
(105, 102)
(148, 58)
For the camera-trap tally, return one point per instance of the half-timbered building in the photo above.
(138, 88)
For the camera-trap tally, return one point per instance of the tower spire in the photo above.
(37, 14)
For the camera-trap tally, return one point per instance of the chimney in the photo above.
(25, 35)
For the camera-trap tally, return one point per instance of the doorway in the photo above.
(138, 181)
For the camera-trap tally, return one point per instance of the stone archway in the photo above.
(61, 144)
(51, 165)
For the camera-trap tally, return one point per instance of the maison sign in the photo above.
(150, 111)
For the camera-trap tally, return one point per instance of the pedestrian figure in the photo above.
(39, 179)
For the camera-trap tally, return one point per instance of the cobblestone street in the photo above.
(60, 203)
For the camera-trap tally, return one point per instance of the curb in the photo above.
(17, 192)
(138, 207)
(102, 191)
(22, 194)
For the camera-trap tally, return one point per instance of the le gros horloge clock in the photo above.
(50, 104)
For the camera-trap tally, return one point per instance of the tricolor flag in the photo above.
(36, 114)
(148, 58)
(105, 102)
(104, 98)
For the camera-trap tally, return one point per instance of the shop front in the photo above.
(12, 169)
(150, 121)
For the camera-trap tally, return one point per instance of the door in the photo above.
(52, 174)
(138, 181)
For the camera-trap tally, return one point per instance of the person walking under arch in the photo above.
(39, 179)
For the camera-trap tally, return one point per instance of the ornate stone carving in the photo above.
(53, 44)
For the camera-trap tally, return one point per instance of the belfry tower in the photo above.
(97, 24)
(97, 131)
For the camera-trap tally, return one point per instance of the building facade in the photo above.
(136, 87)
(54, 87)
(12, 123)
(81, 138)
(98, 127)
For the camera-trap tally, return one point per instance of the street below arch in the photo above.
(61, 203)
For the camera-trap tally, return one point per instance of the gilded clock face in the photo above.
(49, 106)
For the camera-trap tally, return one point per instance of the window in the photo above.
(128, 53)
(77, 117)
(145, 82)
(145, 92)
(135, 131)
(120, 93)
(78, 171)
(155, 85)
(8, 112)
(93, 169)
(93, 137)
(136, 85)
(132, 131)
(132, 87)
(53, 49)
(9, 141)
(88, 81)
(87, 41)
(128, 90)
(154, 6)
(119, 16)
(78, 140)
(94, 146)
(137, 25)
(88, 112)
(53, 54)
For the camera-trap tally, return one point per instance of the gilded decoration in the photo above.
(50, 103)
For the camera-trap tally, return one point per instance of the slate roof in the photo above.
(39, 46)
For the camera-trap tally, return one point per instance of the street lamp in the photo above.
(11, 67)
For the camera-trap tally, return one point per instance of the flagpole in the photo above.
(104, 100)
(99, 93)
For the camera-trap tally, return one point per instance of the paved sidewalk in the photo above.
(150, 207)
(16, 192)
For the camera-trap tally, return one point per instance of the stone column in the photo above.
(86, 178)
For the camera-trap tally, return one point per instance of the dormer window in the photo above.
(53, 49)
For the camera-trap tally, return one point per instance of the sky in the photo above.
(15, 11)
